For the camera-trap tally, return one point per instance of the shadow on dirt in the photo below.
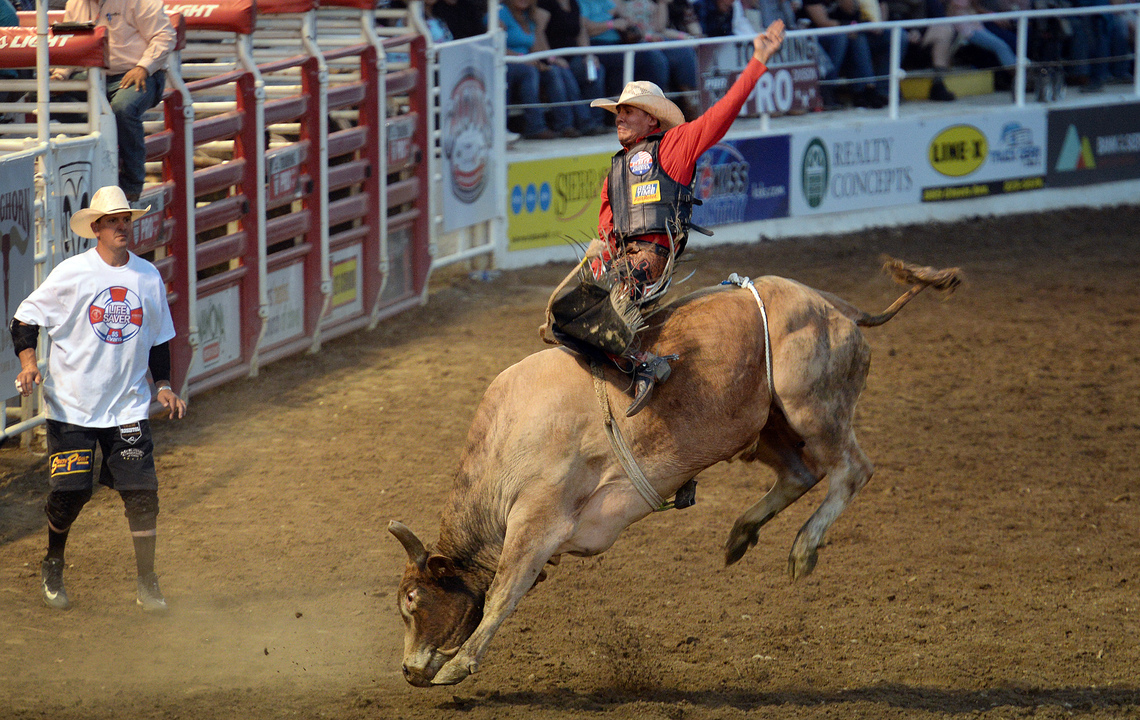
(23, 490)
(902, 697)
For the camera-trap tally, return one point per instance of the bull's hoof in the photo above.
(454, 672)
(739, 542)
(800, 565)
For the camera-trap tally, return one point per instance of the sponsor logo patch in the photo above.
(646, 192)
(131, 433)
(641, 163)
(72, 462)
(131, 454)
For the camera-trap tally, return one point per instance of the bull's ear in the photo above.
(441, 566)
(416, 552)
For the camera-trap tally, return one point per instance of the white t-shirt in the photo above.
(102, 321)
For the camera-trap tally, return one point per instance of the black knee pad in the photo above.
(141, 509)
(63, 507)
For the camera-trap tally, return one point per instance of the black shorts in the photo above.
(128, 456)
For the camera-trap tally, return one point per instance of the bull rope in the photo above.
(625, 456)
(745, 282)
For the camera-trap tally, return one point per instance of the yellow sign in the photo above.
(958, 150)
(554, 202)
(646, 192)
(344, 282)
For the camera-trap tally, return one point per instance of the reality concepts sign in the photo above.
(1094, 145)
(554, 202)
(742, 181)
(938, 159)
(983, 155)
(855, 168)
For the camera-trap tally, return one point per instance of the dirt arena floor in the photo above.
(990, 569)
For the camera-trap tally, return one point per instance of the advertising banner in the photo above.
(843, 169)
(219, 331)
(1094, 145)
(347, 269)
(553, 202)
(741, 181)
(466, 86)
(285, 288)
(791, 86)
(18, 244)
(981, 155)
(81, 170)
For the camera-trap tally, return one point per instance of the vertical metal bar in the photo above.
(1022, 61)
(309, 41)
(245, 55)
(895, 71)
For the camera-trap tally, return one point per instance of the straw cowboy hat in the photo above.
(106, 201)
(646, 96)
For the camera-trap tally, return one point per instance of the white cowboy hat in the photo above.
(106, 201)
(646, 96)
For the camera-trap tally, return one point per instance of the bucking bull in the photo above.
(539, 477)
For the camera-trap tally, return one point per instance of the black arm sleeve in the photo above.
(24, 336)
(159, 362)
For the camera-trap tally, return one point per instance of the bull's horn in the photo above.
(416, 552)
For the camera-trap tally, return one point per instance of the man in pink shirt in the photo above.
(139, 37)
(644, 220)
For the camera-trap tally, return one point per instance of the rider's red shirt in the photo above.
(683, 145)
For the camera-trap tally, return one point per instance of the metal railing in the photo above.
(895, 29)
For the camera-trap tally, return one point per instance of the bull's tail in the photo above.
(917, 277)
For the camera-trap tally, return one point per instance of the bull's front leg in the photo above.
(531, 539)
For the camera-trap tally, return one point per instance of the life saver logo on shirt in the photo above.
(116, 315)
(641, 163)
(646, 192)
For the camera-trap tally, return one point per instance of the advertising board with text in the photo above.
(554, 202)
(1094, 145)
(985, 154)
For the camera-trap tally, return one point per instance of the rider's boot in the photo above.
(650, 370)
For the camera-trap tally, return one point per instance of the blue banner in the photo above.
(742, 181)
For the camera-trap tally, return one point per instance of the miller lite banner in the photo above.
(18, 245)
(467, 128)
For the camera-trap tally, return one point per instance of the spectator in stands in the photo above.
(566, 29)
(864, 57)
(651, 20)
(1097, 40)
(525, 25)
(927, 47)
(721, 18)
(608, 27)
(439, 30)
(975, 34)
(683, 17)
(464, 18)
(8, 18)
(139, 37)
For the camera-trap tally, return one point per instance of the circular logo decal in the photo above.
(467, 135)
(116, 315)
(958, 150)
(641, 163)
(814, 173)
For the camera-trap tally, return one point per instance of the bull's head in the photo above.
(439, 605)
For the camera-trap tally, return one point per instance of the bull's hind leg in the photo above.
(778, 450)
(845, 477)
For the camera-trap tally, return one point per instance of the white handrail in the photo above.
(895, 29)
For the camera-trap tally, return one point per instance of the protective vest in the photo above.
(644, 199)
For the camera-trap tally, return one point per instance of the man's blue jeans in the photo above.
(129, 105)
